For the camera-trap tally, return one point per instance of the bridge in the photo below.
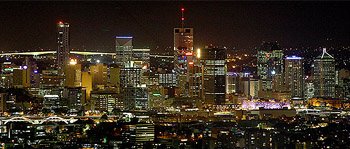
(37, 53)
(321, 112)
(40, 120)
(43, 119)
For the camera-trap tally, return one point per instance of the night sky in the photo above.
(32, 25)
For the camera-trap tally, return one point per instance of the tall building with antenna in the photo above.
(183, 46)
(324, 75)
(183, 54)
(63, 43)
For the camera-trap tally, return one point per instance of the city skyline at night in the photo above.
(174, 75)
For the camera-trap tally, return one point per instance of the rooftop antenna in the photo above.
(324, 51)
(182, 17)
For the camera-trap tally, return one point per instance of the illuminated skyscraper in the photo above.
(73, 74)
(232, 83)
(324, 75)
(21, 77)
(123, 51)
(133, 64)
(86, 82)
(270, 64)
(294, 76)
(3, 102)
(183, 46)
(214, 74)
(50, 78)
(250, 87)
(99, 75)
(309, 91)
(114, 77)
(184, 56)
(130, 77)
(75, 98)
(107, 100)
(63, 43)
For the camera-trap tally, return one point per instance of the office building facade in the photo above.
(63, 46)
(134, 64)
(269, 64)
(213, 62)
(123, 51)
(324, 75)
(73, 74)
(294, 76)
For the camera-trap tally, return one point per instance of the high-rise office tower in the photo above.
(73, 74)
(141, 59)
(183, 55)
(75, 98)
(213, 62)
(294, 76)
(250, 87)
(21, 77)
(324, 75)
(114, 77)
(183, 46)
(32, 68)
(7, 74)
(195, 79)
(99, 74)
(107, 100)
(50, 78)
(346, 88)
(134, 63)
(123, 51)
(309, 90)
(86, 82)
(134, 90)
(270, 64)
(63, 43)
(232, 82)
(130, 77)
(3, 97)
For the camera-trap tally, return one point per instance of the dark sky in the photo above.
(32, 25)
